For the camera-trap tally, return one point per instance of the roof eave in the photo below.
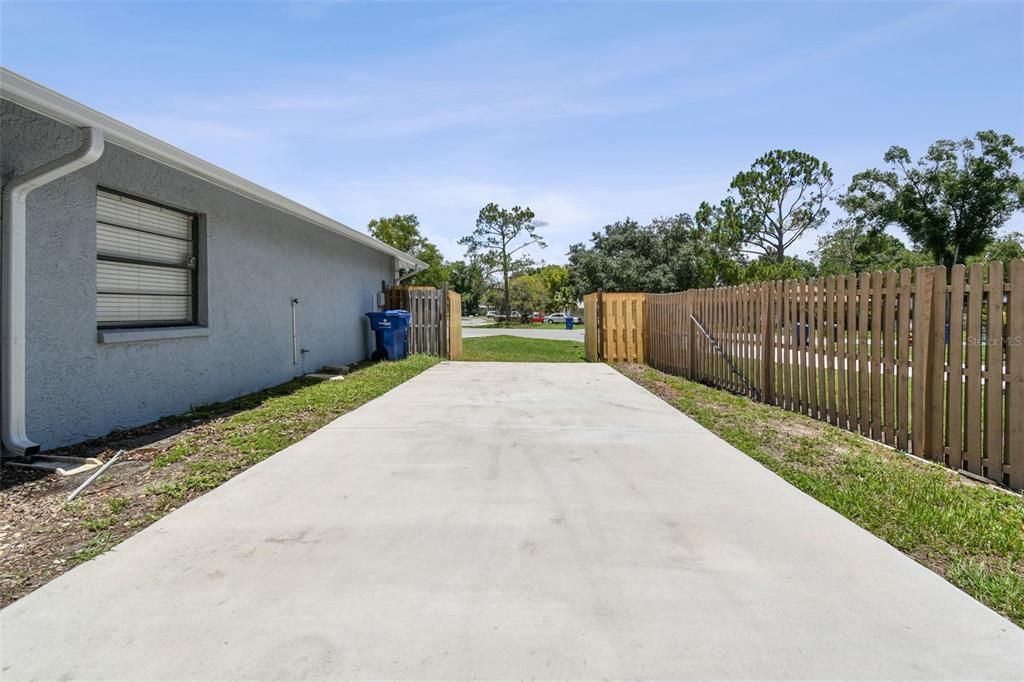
(42, 100)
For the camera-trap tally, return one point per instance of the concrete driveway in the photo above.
(488, 521)
(554, 333)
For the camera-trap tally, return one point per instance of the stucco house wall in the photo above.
(253, 260)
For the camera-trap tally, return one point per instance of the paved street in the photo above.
(492, 521)
(559, 333)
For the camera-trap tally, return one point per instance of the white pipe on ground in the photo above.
(12, 317)
(87, 482)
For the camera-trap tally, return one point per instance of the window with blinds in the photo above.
(145, 263)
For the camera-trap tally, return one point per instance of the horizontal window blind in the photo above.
(125, 243)
(116, 209)
(132, 278)
(145, 263)
(134, 309)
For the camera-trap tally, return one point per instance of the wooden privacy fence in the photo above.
(917, 360)
(435, 327)
(620, 319)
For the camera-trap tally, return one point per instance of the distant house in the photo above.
(140, 281)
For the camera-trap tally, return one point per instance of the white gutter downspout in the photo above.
(12, 335)
(399, 278)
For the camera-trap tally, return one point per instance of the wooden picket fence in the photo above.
(924, 363)
(435, 327)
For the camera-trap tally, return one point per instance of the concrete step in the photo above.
(323, 376)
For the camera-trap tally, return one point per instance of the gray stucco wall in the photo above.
(257, 259)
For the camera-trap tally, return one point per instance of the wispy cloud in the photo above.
(492, 104)
(472, 81)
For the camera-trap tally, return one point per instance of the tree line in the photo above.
(497, 271)
(950, 205)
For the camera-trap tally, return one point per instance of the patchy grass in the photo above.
(971, 534)
(519, 349)
(97, 544)
(175, 454)
(100, 523)
(118, 504)
(272, 421)
(165, 465)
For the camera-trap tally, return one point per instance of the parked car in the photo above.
(492, 313)
(555, 318)
(536, 317)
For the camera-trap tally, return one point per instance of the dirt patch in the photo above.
(42, 535)
(776, 425)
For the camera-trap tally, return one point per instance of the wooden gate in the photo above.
(435, 327)
(614, 327)
(454, 325)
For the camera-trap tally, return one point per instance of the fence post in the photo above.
(921, 334)
(936, 441)
(1015, 380)
(928, 363)
(691, 336)
(767, 346)
(445, 324)
(600, 325)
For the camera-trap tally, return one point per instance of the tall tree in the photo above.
(781, 197)
(624, 256)
(950, 203)
(527, 293)
(400, 231)
(564, 300)
(555, 279)
(469, 280)
(850, 248)
(720, 236)
(1006, 248)
(403, 232)
(767, 269)
(498, 242)
(669, 254)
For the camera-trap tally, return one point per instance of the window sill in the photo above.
(150, 334)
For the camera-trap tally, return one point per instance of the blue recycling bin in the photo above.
(803, 335)
(391, 327)
(568, 322)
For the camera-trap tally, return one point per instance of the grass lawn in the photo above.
(165, 465)
(519, 349)
(970, 533)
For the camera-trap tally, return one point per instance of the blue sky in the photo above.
(587, 112)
